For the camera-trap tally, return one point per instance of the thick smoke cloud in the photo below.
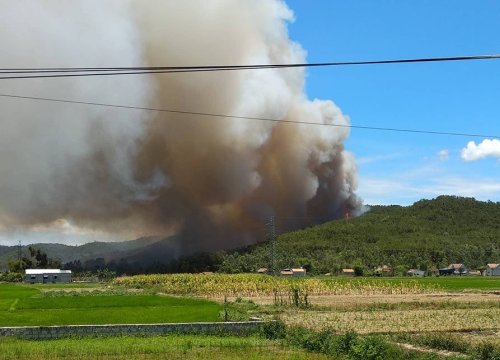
(213, 180)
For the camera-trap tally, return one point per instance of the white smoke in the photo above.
(136, 173)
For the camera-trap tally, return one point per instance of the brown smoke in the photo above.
(214, 180)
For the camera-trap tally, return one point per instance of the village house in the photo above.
(349, 272)
(492, 270)
(262, 270)
(46, 276)
(383, 270)
(415, 272)
(454, 269)
(293, 272)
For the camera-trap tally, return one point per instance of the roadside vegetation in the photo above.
(275, 341)
(485, 346)
(157, 347)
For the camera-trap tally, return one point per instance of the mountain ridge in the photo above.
(427, 234)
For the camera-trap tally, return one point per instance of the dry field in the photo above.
(396, 321)
(396, 313)
(369, 301)
(253, 285)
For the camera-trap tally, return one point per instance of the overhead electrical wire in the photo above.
(228, 116)
(59, 72)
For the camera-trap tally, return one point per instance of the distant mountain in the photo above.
(89, 251)
(162, 251)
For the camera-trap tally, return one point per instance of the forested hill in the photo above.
(429, 234)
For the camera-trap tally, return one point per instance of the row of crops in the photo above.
(264, 285)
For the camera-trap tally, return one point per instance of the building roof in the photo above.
(446, 269)
(299, 270)
(493, 266)
(262, 270)
(456, 266)
(348, 270)
(286, 272)
(46, 271)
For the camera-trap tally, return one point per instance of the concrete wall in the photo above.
(54, 332)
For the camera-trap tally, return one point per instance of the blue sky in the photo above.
(400, 168)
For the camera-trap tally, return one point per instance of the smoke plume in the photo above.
(213, 180)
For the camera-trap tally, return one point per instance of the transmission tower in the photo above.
(271, 235)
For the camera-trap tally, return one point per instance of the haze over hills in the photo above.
(428, 234)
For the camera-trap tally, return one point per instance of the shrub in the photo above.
(322, 342)
(445, 342)
(273, 330)
(346, 342)
(370, 348)
(11, 277)
(486, 351)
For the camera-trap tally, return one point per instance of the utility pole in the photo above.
(271, 235)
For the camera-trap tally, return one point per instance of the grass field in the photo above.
(161, 347)
(22, 305)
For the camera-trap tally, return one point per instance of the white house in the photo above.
(416, 272)
(492, 270)
(44, 276)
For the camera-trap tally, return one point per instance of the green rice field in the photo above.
(157, 347)
(22, 305)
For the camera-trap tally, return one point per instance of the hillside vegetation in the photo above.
(429, 234)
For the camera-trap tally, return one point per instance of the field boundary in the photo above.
(55, 332)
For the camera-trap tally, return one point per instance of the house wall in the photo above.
(48, 278)
(417, 273)
(493, 272)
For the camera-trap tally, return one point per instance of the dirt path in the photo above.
(429, 351)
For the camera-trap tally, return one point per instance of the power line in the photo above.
(264, 66)
(58, 72)
(130, 107)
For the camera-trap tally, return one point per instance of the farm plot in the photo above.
(148, 348)
(387, 321)
(252, 285)
(23, 306)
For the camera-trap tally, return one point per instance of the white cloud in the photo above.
(444, 155)
(480, 188)
(403, 190)
(487, 148)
